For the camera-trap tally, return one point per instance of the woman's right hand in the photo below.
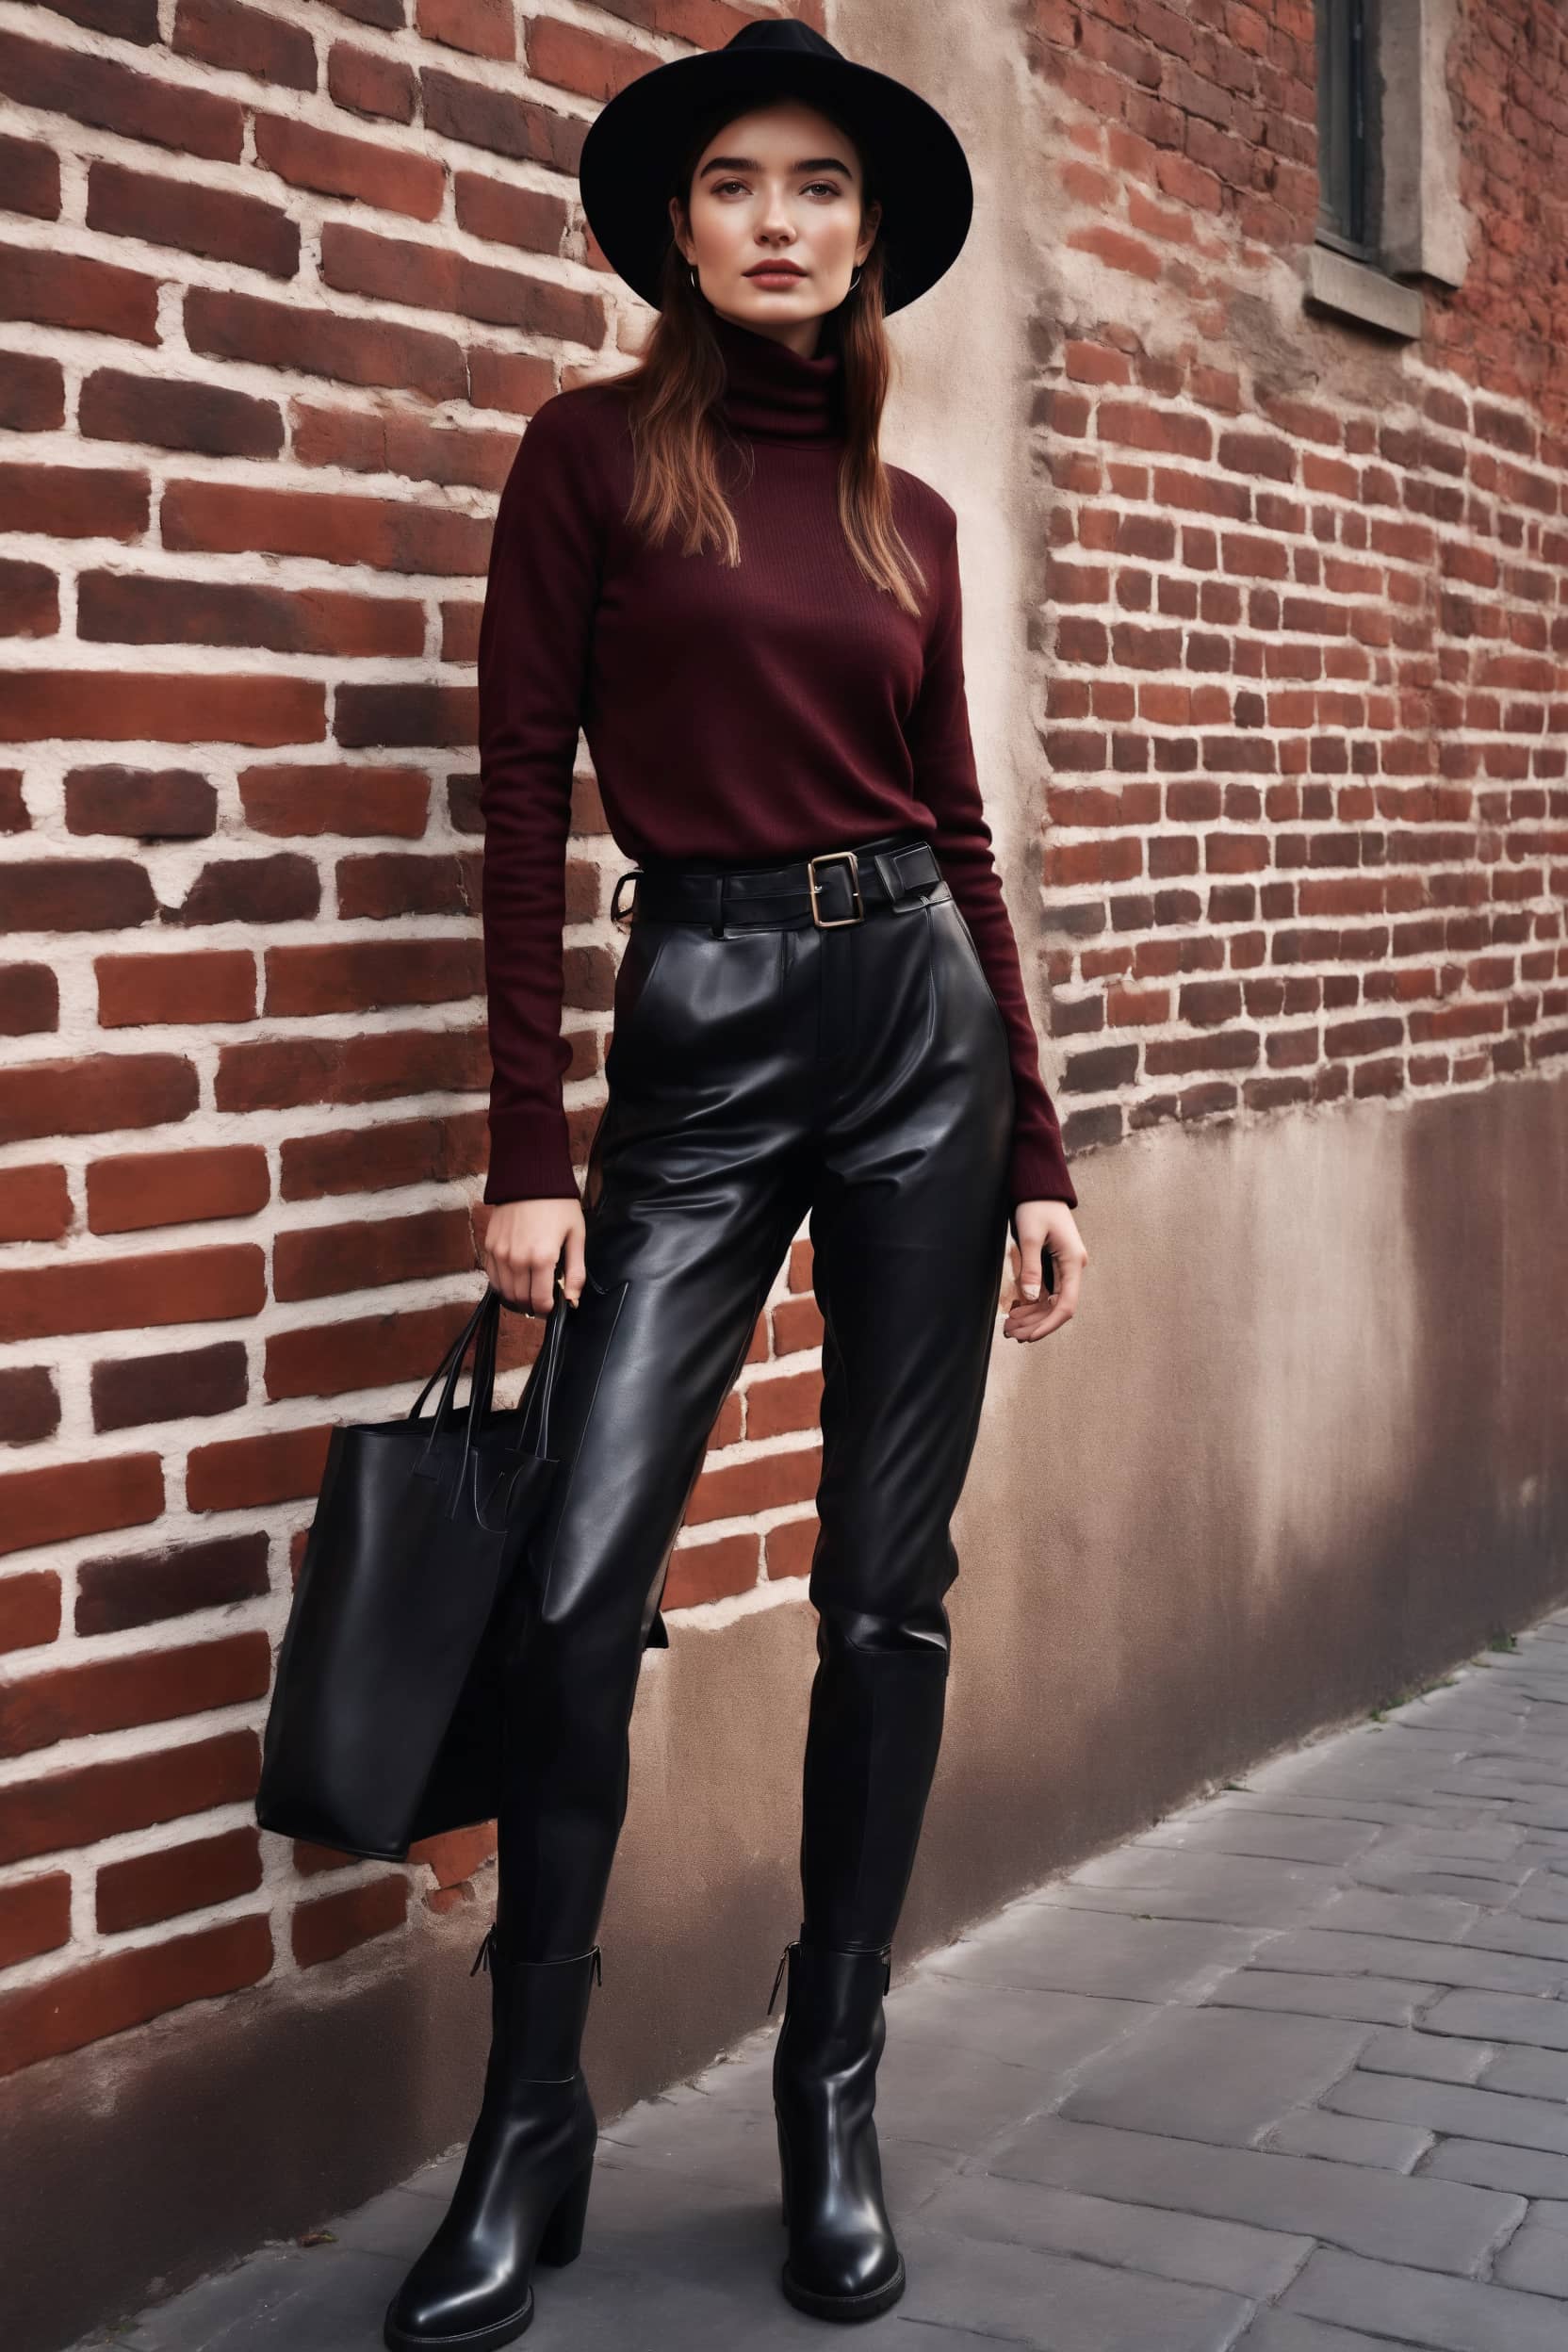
(522, 1249)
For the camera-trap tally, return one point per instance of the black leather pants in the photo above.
(860, 1074)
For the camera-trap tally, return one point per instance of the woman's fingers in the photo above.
(1046, 1229)
(575, 1271)
(522, 1248)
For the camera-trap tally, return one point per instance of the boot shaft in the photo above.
(538, 2011)
(833, 2000)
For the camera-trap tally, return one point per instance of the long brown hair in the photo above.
(678, 438)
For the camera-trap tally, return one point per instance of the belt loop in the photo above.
(892, 881)
(718, 908)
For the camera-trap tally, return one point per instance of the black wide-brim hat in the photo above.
(634, 145)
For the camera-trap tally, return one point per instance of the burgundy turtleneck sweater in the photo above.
(771, 710)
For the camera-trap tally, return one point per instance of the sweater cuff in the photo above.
(1039, 1173)
(530, 1157)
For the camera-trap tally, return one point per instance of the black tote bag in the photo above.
(385, 1723)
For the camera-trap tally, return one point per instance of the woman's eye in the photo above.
(829, 187)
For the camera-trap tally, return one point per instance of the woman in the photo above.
(708, 566)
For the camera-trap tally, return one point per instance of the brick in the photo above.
(29, 606)
(382, 176)
(362, 976)
(529, 219)
(383, 1157)
(98, 1091)
(134, 991)
(138, 706)
(71, 1498)
(325, 799)
(159, 803)
(132, 19)
(49, 288)
(482, 29)
(312, 1861)
(85, 2004)
(439, 278)
(107, 94)
(368, 1351)
(29, 179)
(226, 225)
(393, 886)
(763, 1483)
(322, 342)
(168, 610)
(481, 114)
(457, 1855)
(115, 1593)
(32, 400)
(711, 1572)
(29, 1404)
(789, 1548)
(796, 1324)
(67, 501)
(29, 1609)
(287, 1073)
(245, 1472)
(75, 895)
(242, 39)
(201, 1285)
(776, 1407)
(35, 1916)
(322, 1261)
(142, 1189)
(387, 15)
(148, 1888)
(281, 888)
(361, 82)
(66, 1809)
(167, 415)
(334, 527)
(145, 1389)
(360, 443)
(70, 1702)
(29, 1000)
(333, 1924)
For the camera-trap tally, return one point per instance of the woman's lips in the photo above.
(775, 270)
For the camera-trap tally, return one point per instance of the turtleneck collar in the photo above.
(772, 393)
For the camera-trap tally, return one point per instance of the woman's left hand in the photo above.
(1045, 1228)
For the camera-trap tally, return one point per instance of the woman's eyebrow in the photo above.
(751, 163)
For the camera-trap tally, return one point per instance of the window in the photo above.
(1342, 149)
(1391, 226)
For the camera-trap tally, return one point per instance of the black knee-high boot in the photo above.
(523, 2189)
(843, 2261)
(874, 1731)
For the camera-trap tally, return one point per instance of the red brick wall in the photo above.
(1304, 616)
(273, 317)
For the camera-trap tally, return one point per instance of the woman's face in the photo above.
(781, 185)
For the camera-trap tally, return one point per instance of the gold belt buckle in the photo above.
(844, 857)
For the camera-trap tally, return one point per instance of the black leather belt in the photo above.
(894, 871)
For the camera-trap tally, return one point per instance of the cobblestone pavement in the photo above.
(1288, 2072)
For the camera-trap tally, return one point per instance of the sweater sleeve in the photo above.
(534, 649)
(945, 779)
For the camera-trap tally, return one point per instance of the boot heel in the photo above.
(562, 2242)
